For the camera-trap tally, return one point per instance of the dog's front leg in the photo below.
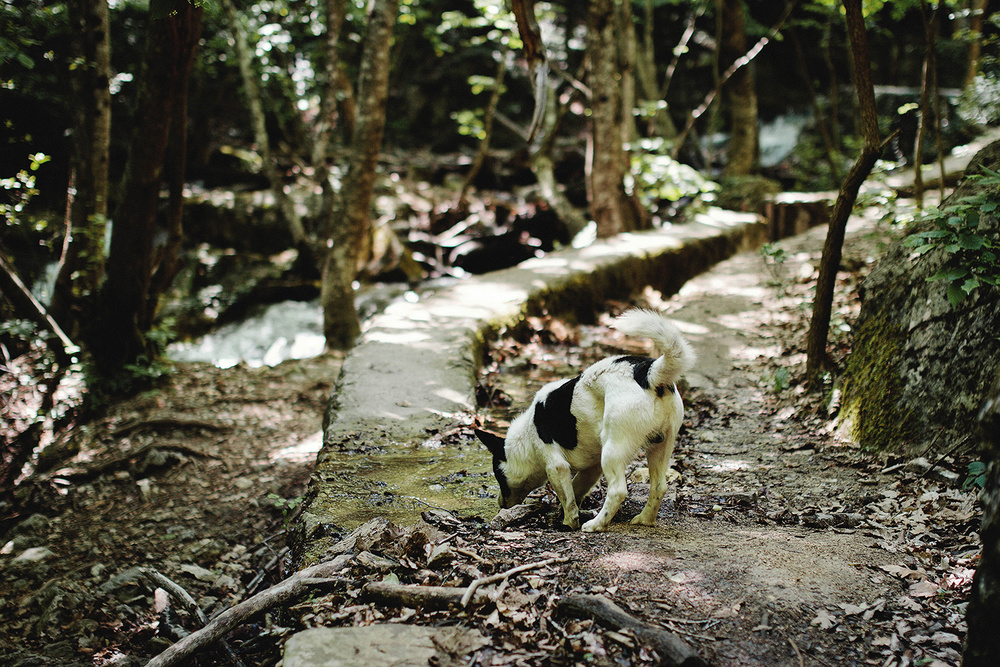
(562, 483)
(614, 472)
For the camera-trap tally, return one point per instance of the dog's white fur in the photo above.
(620, 405)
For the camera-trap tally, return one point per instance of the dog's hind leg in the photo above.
(559, 477)
(584, 481)
(614, 472)
(658, 458)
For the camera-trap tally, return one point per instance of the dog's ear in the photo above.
(493, 442)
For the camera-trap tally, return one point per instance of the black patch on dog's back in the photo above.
(640, 368)
(553, 419)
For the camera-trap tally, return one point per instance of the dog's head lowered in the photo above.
(512, 491)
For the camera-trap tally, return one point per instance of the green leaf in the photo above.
(26, 62)
(988, 207)
(955, 294)
(971, 241)
(970, 285)
(949, 273)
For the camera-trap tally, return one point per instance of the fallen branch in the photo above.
(180, 594)
(424, 597)
(168, 421)
(673, 650)
(98, 469)
(27, 306)
(483, 581)
(290, 588)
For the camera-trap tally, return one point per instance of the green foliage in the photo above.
(976, 476)
(972, 247)
(781, 380)
(774, 261)
(19, 189)
(658, 177)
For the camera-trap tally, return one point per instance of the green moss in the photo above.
(872, 415)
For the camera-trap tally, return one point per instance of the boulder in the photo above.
(921, 368)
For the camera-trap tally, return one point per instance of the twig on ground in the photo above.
(177, 592)
(280, 593)
(424, 597)
(673, 650)
(798, 653)
(483, 581)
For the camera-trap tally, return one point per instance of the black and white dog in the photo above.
(596, 423)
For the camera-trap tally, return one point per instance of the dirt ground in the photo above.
(777, 545)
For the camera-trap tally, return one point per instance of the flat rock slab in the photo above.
(384, 645)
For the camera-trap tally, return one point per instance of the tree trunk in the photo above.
(116, 332)
(352, 228)
(819, 327)
(82, 267)
(977, 8)
(740, 93)
(610, 207)
(255, 108)
(982, 642)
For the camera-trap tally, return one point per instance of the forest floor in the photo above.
(778, 545)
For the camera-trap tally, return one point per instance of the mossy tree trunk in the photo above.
(351, 233)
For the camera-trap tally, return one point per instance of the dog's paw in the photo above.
(593, 526)
(641, 520)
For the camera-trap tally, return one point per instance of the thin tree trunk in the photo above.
(167, 260)
(484, 144)
(741, 158)
(721, 80)
(821, 121)
(977, 8)
(115, 331)
(255, 108)
(352, 232)
(925, 106)
(82, 264)
(819, 327)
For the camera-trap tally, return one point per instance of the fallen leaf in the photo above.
(824, 620)
(945, 638)
(924, 589)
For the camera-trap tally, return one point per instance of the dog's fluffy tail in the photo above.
(675, 355)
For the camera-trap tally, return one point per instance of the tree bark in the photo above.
(116, 332)
(740, 93)
(255, 108)
(819, 327)
(610, 207)
(351, 236)
(982, 642)
(82, 263)
(977, 8)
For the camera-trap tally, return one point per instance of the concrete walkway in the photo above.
(415, 365)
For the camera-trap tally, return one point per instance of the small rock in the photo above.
(198, 572)
(33, 555)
